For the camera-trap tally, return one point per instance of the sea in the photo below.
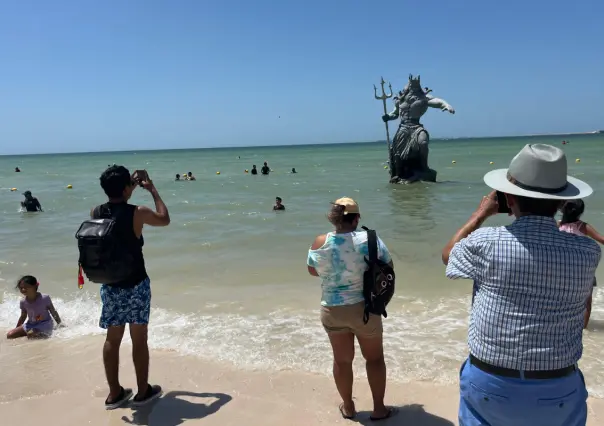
(229, 276)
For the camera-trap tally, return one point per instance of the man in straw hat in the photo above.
(531, 284)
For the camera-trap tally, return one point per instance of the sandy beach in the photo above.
(69, 390)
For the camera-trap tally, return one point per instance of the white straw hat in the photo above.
(538, 171)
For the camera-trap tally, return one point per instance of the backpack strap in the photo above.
(372, 245)
(368, 286)
(101, 212)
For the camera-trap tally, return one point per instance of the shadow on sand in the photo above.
(413, 414)
(172, 410)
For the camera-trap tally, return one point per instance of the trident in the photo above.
(383, 97)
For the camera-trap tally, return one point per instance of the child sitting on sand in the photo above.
(37, 309)
(571, 223)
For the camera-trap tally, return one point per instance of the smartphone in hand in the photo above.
(140, 176)
(503, 203)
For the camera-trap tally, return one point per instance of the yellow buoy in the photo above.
(13, 189)
(385, 167)
(578, 160)
(69, 186)
(491, 163)
(453, 162)
(217, 173)
(246, 170)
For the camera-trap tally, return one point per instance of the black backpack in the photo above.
(104, 256)
(378, 280)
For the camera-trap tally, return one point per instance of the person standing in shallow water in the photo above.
(31, 203)
(254, 170)
(338, 258)
(128, 302)
(571, 222)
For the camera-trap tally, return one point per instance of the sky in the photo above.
(78, 76)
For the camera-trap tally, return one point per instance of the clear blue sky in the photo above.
(132, 74)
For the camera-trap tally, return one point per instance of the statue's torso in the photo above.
(412, 108)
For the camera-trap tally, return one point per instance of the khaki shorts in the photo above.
(349, 319)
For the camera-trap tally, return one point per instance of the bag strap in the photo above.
(101, 212)
(368, 287)
(372, 244)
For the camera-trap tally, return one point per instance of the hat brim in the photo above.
(498, 180)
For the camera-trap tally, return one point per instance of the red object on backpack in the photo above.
(80, 278)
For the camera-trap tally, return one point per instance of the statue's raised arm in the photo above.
(440, 104)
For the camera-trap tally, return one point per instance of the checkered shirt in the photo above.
(531, 283)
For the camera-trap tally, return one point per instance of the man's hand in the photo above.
(488, 206)
(148, 184)
(159, 217)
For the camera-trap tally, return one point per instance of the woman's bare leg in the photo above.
(342, 344)
(373, 352)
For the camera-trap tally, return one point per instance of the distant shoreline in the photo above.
(596, 132)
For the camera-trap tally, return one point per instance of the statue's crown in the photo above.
(413, 80)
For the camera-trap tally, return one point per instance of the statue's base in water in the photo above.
(428, 175)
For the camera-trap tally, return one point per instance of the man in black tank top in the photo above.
(128, 301)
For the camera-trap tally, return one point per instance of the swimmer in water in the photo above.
(190, 176)
(177, 177)
(294, 170)
(265, 170)
(31, 203)
(254, 170)
(17, 170)
(278, 204)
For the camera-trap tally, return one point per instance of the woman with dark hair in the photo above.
(571, 222)
(338, 258)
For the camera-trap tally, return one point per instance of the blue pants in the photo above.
(489, 400)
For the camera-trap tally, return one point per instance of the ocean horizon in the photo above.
(380, 141)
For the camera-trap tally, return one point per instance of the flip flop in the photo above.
(153, 392)
(122, 398)
(344, 416)
(391, 412)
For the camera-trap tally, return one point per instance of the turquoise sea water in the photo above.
(229, 275)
